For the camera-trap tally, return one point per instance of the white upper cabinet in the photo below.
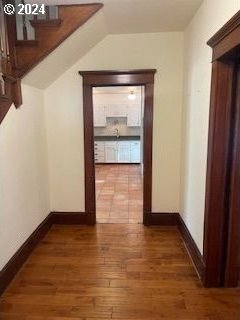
(117, 105)
(99, 115)
(117, 110)
(134, 115)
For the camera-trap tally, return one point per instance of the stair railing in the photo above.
(25, 23)
(4, 53)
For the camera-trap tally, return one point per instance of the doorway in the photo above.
(91, 80)
(118, 113)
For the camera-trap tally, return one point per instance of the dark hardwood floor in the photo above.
(118, 271)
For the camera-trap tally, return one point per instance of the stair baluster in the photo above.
(4, 50)
(25, 33)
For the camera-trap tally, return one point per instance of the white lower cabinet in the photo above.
(99, 151)
(111, 152)
(123, 152)
(117, 152)
(135, 156)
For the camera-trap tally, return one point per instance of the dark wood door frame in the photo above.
(117, 78)
(222, 209)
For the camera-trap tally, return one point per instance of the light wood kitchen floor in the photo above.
(119, 193)
(113, 271)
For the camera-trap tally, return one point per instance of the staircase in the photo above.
(25, 40)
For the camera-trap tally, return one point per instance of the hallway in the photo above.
(119, 193)
(113, 272)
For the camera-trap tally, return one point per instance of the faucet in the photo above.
(116, 132)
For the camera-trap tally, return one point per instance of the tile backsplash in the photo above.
(117, 123)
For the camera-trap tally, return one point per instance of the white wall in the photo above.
(64, 119)
(23, 173)
(209, 19)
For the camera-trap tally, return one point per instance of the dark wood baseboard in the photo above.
(192, 248)
(15, 263)
(72, 218)
(161, 219)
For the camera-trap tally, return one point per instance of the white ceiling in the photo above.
(140, 16)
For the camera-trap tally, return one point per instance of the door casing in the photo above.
(222, 209)
(117, 78)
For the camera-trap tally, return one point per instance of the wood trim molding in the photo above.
(162, 219)
(117, 78)
(226, 39)
(217, 172)
(117, 72)
(218, 232)
(229, 27)
(30, 43)
(232, 271)
(71, 218)
(192, 248)
(15, 263)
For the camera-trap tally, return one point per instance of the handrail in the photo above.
(4, 52)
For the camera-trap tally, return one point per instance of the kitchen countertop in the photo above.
(114, 138)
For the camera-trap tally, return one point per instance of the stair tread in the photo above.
(46, 23)
(28, 43)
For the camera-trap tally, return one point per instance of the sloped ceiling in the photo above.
(141, 16)
(116, 17)
(69, 52)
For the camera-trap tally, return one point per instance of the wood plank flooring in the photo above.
(113, 271)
